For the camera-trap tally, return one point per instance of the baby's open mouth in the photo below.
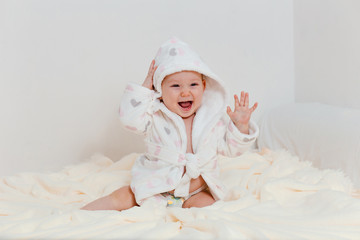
(186, 105)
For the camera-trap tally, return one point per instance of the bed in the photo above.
(326, 135)
(274, 193)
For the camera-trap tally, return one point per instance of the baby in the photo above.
(180, 108)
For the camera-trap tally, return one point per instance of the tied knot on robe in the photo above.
(195, 164)
(192, 168)
(192, 172)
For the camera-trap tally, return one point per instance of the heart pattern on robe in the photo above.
(167, 130)
(135, 103)
(173, 52)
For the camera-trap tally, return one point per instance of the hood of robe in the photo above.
(174, 56)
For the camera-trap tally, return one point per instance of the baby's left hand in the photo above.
(242, 113)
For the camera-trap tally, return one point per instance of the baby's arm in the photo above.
(136, 104)
(239, 134)
(232, 142)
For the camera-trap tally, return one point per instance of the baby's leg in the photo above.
(201, 199)
(121, 199)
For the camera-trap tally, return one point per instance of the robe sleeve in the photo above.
(233, 143)
(136, 108)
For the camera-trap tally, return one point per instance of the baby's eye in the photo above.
(175, 85)
(194, 84)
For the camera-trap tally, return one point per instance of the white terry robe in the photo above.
(162, 167)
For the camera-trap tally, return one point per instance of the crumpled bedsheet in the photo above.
(272, 195)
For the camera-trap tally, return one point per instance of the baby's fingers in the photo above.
(151, 66)
(152, 69)
(229, 112)
(237, 102)
(148, 82)
(252, 109)
(242, 99)
(246, 100)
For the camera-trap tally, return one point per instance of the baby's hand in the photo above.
(148, 83)
(242, 113)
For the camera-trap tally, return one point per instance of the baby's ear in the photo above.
(204, 83)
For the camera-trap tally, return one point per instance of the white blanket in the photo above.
(271, 196)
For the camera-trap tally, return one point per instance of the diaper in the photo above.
(173, 201)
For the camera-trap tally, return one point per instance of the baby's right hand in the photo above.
(148, 83)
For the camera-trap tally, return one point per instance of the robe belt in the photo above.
(195, 163)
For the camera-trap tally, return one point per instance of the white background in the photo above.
(64, 65)
(327, 51)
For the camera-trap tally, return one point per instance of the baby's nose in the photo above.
(185, 92)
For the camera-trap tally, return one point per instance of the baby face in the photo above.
(182, 92)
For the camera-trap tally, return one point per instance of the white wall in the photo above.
(64, 65)
(327, 51)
